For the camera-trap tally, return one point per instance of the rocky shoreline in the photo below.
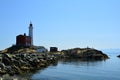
(26, 62)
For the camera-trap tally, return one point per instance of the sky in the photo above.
(62, 23)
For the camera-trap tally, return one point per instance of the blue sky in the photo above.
(62, 23)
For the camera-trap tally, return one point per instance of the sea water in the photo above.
(82, 70)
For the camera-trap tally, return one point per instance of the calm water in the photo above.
(82, 70)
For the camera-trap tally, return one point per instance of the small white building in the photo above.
(41, 49)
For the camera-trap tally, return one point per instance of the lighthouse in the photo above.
(31, 33)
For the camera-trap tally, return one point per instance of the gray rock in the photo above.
(118, 56)
(87, 53)
(6, 59)
(2, 66)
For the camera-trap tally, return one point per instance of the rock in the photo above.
(86, 53)
(2, 72)
(10, 70)
(118, 56)
(25, 68)
(16, 63)
(6, 59)
(2, 66)
(16, 69)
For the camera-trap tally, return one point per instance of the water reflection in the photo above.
(70, 69)
(82, 62)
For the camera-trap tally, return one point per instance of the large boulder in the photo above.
(118, 56)
(85, 53)
(2, 66)
(6, 59)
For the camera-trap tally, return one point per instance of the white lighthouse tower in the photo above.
(31, 32)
